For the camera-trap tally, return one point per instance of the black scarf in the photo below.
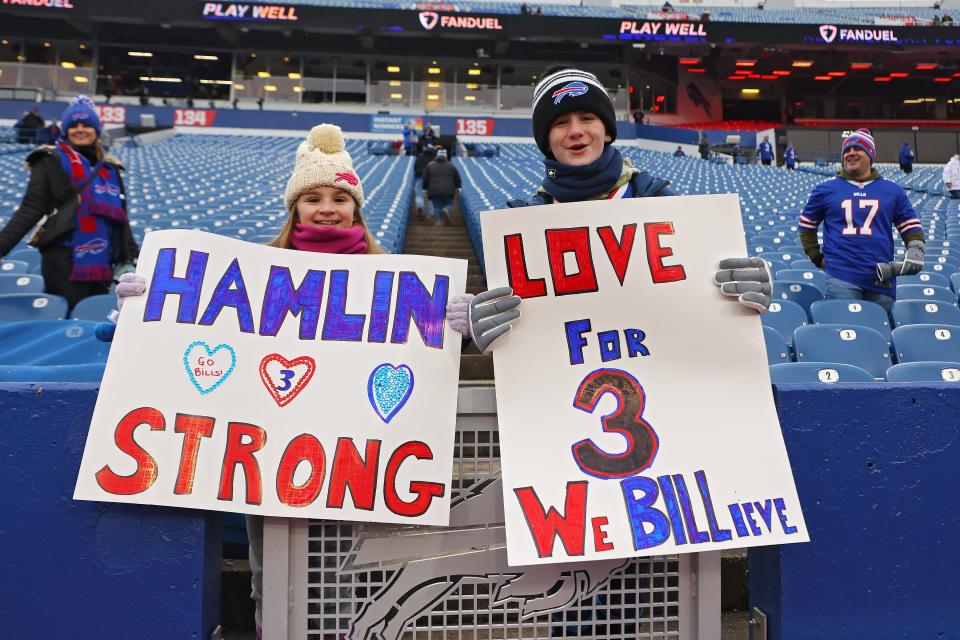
(568, 183)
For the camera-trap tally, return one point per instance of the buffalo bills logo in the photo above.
(93, 248)
(572, 89)
(112, 189)
(349, 178)
(428, 19)
(828, 32)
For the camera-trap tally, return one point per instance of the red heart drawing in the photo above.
(286, 382)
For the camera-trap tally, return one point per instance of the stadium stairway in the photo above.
(451, 241)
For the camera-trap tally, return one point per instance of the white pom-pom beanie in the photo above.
(323, 161)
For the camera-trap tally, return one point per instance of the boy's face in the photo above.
(577, 138)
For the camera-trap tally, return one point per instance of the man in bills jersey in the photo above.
(858, 208)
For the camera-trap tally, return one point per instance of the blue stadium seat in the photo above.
(861, 313)
(806, 264)
(860, 346)
(823, 372)
(906, 312)
(925, 292)
(94, 308)
(924, 372)
(803, 294)
(809, 276)
(931, 342)
(777, 349)
(90, 372)
(50, 342)
(14, 266)
(15, 307)
(784, 316)
(955, 282)
(30, 256)
(20, 283)
(924, 278)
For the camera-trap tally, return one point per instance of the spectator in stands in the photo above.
(525, 9)
(667, 7)
(539, 11)
(29, 126)
(324, 216)
(765, 150)
(705, 16)
(946, 20)
(679, 152)
(906, 157)
(704, 148)
(858, 208)
(428, 139)
(790, 157)
(76, 194)
(951, 176)
(260, 103)
(409, 138)
(575, 135)
(936, 21)
(424, 157)
(441, 182)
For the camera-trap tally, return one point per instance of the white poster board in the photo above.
(280, 383)
(634, 401)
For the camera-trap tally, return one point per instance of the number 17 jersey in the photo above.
(858, 218)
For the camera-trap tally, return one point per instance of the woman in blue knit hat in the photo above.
(76, 195)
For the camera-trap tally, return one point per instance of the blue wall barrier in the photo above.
(350, 122)
(876, 467)
(73, 569)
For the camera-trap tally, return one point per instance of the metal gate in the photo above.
(327, 580)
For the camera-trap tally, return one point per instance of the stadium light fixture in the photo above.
(139, 54)
(782, 72)
(396, 96)
(696, 70)
(745, 63)
(823, 78)
(943, 79)
(860, 66)
(159, 79)
(802, 64)
(433, 85)
(473, 85)
(913, 101)
(749, 92)
(395, 83)
(293, 75)
(263, 74)
(754, 76)
(68, 65)
(899, 74)
(433, 70)
(470, 98)
(433, 96)
(393, 69)
(689, 61)
(473, 72)
(200, 56)
(882, 79)
(81, 79)
(837, 74)
(769, 76)
(216, 82)
(956, 75)
(270, 87)
(298, 89)
(239, 87)
(926, 66)
(736, 77)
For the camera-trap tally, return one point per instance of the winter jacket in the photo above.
(440, 178)
(951, 174)
(643, 185)
(49, 188)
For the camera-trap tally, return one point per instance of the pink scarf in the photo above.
(307, 237)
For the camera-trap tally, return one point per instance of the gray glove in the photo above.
(130, 284)
(491, 313)
(749, 279)
(913, 258)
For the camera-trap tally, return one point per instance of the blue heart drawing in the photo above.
(206, 369)
(389, 388)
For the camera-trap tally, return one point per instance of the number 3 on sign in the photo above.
(865, 230)
(626, 419)
(473, 127)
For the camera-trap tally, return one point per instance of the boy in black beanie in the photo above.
(574, 125)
